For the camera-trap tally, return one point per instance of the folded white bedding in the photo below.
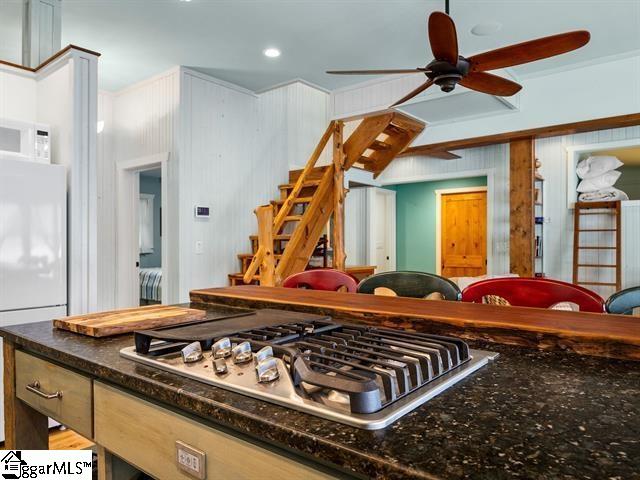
(610, 194)
(600, 182)
(597, 165)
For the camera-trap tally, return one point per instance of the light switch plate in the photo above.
(199, 247)
(191, 460)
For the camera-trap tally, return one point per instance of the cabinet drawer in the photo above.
(145, 435)
(38, 381)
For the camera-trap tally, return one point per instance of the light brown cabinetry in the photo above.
(145, 435)
(56, 392)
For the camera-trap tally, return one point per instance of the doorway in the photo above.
(143, 269)
(150, 236)
(462, 228)
(382, 229)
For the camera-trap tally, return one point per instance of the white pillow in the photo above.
(594, 184)
(597, 165)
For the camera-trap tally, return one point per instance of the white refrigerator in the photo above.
(33, 245)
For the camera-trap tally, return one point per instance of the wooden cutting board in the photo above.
(116, 322)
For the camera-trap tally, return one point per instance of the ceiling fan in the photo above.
(449, 68)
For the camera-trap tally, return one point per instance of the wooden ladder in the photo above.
(290, 230)
(594, 220)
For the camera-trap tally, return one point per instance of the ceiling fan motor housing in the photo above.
(446, 75)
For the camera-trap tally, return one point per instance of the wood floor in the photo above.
(67, 440)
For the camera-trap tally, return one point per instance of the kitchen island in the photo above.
(529, 414)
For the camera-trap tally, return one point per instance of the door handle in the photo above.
(35, 388)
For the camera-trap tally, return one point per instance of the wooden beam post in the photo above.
(339, 255)
(521, 207)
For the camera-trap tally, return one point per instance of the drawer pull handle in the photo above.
(35, 388)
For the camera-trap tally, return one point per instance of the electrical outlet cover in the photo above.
(191, 460)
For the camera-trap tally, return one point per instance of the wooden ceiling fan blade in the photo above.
(529, 51)
(378, 72)
(413, 93)
(491, 84)
(443, 37)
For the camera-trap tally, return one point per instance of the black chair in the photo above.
(411, 284)
(624, 301)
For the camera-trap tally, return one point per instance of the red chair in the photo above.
(322, 279)
(534, 292)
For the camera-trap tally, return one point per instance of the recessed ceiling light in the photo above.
(185, 0)
(486, 28)
(272, 52)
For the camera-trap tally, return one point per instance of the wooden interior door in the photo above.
(463, 234)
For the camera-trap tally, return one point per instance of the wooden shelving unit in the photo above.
(538, 210)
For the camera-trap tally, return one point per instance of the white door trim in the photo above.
(127, 253)
(391, 226)
(448, 191)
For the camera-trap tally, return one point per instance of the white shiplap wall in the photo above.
(219, 169)
(139, 121)
(372, 95)
(558, 236)
(237, 148)
(229, 149)
(492, 161)
(292, 118)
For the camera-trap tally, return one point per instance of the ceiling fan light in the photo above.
(485, 29)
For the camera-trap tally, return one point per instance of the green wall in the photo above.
(629, 181)
(416, 221)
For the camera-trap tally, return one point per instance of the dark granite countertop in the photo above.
(530, 414)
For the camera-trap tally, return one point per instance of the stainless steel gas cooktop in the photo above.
(363, 376)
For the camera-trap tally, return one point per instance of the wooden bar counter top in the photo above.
(612, 336)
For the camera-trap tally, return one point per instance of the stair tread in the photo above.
(309, 183)
(241, 275)
(295, 200)
(282, 236)
(393, 129)
(378, 145)
(365, 159)
(251, 255)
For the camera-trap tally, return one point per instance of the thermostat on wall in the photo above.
(201, 212)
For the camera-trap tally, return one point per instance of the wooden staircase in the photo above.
(290, 229)
(597, 252)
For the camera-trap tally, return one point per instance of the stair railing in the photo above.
(297, 188)
(279, 220)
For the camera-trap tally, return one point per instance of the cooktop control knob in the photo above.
(241, 353)
(219, 366)
(267, 370)
(221, 348)
(263, 354)
(192, 353)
